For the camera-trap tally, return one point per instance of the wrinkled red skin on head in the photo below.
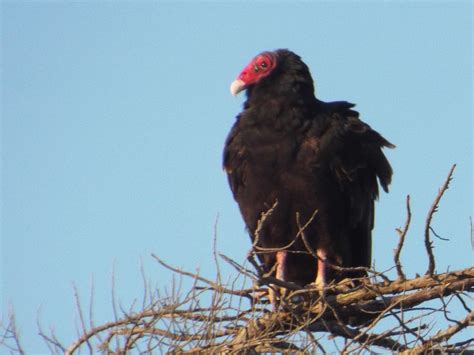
(258, 68)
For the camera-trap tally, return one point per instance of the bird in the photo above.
(304, 172)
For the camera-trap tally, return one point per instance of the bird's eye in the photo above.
(263, 65)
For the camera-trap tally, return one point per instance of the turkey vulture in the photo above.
(303, 162)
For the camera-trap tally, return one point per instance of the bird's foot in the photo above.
(319, 287)
(277, 295)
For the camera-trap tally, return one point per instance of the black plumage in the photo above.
(289, 148)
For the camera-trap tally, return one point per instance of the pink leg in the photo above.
(280, 275)
(321, 278)
(281, 265)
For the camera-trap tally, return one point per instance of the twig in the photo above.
(363, 337)
(437, 235)
(472, 232)
(12, 332)
(253, 262)
(114, 301)
(214, 285)
(214, 251)
(91, 306)
(462, 302)
(52, 340)
(260, 223)
(238, 267)
(81, 318)
(433, 209)
(402, 233)
(301, 233)
(445, 334)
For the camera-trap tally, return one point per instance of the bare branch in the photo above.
(446, 334)
(433, 209)
(81, 317)
(402, 233)
(371, 315)
(11, 335)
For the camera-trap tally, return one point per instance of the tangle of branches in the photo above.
(372, 315)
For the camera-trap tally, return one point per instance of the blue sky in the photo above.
(114, 117)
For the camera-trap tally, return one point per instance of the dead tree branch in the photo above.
(432, 211)
(402, 234)
(424, 314)
(349, 315)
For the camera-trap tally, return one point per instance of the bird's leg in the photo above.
(274, 292)
(322, 268)
(281, 263)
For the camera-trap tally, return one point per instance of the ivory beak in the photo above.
(236, 87)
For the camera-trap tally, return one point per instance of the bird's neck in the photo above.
(292, 90)
(279, 113)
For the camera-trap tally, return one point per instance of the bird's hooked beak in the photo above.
(237, 86)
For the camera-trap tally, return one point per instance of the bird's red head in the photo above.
(258, 68)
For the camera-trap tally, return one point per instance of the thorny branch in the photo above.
(432, 211)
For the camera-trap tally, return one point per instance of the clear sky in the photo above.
(114, 117)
